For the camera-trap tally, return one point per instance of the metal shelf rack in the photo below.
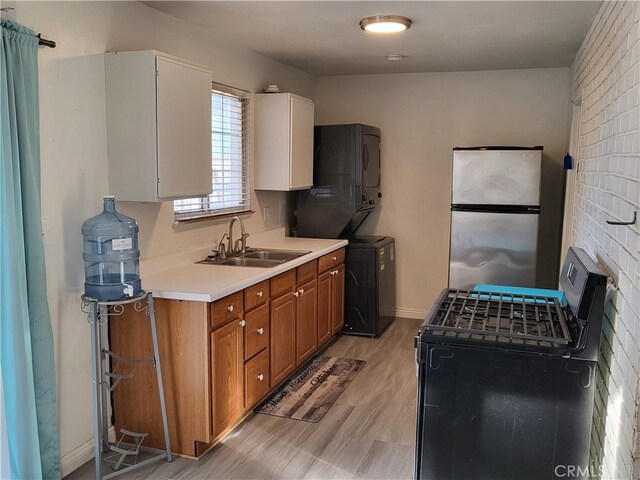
(122, 454)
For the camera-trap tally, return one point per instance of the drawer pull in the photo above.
(261, 377)
(334, 258)
(259, 294)
(242, 323)
(230, 308)
(260, 331)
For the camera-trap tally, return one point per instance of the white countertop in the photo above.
(177, 277)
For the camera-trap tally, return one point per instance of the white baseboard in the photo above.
(79, 456)
(410, 313)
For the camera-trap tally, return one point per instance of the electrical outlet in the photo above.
(266, 213)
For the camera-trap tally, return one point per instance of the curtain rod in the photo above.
(41, 41)
(45, 43)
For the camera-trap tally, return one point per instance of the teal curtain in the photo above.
(26, 340)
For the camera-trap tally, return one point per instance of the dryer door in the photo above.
(371, 165)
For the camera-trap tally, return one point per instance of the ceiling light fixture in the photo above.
(385, 23)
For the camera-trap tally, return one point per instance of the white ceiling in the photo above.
(323, 37)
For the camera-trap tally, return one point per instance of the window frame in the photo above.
(246, 182)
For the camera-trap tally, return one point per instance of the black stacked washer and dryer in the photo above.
(346, 189)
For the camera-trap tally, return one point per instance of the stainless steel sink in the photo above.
(268, 254)
(261, 258)
(249, 262)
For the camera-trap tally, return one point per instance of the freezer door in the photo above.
(493, 248)
(496, 177)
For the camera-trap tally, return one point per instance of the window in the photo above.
(229, 159)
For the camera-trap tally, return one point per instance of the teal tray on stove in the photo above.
(522, 291)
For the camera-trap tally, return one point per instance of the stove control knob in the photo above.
(364, 198)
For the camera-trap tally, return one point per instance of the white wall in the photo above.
(74, 166)
(422, 117)
(607, 79)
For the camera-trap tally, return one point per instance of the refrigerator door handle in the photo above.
(458, 207)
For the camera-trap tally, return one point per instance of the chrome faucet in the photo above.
(220, 252)
(240, 245)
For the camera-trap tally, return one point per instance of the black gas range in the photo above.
(506, 379)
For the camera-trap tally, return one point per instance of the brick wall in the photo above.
(606, 75)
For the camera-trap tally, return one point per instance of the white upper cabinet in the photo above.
(283, 142)
(158, 127)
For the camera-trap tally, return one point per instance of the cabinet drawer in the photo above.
(256, 379)
(283, 282)
(306, 272)
(331, 260)
(225, 309)
(256, 295)
(256, 331)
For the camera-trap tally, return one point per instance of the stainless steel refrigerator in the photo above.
(495, 207)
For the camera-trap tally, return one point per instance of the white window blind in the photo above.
(229, 159)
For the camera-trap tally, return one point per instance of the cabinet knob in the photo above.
(260, 377)
(333, 272)
(242, 323)
(260, 331)
(259, 294)
(230, 308)
(302, 291)
(296, 294)
(334, 258)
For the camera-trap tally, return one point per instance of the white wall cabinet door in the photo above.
(184, 129)
(158, 127)
(301, 160)
(283, 141)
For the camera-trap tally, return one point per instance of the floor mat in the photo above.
(311, 393)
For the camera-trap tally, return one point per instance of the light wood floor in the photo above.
(367, 434)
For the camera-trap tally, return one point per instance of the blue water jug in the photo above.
(111, 254)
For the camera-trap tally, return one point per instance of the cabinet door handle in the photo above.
(230, 308)
(302, 291)
(334, 272)
(259, 294)
(260, 377)
(260, 331)
(296, 294)
(242, 323)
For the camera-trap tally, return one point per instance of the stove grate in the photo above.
(505, 318)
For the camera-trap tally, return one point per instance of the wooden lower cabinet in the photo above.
(220, 359)
(256, 379)
(337, 298)
(325, 310)
(330, 303)
(306, 321)
(227, 369)
(256, 331)
(183, 340)
(283, 338)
